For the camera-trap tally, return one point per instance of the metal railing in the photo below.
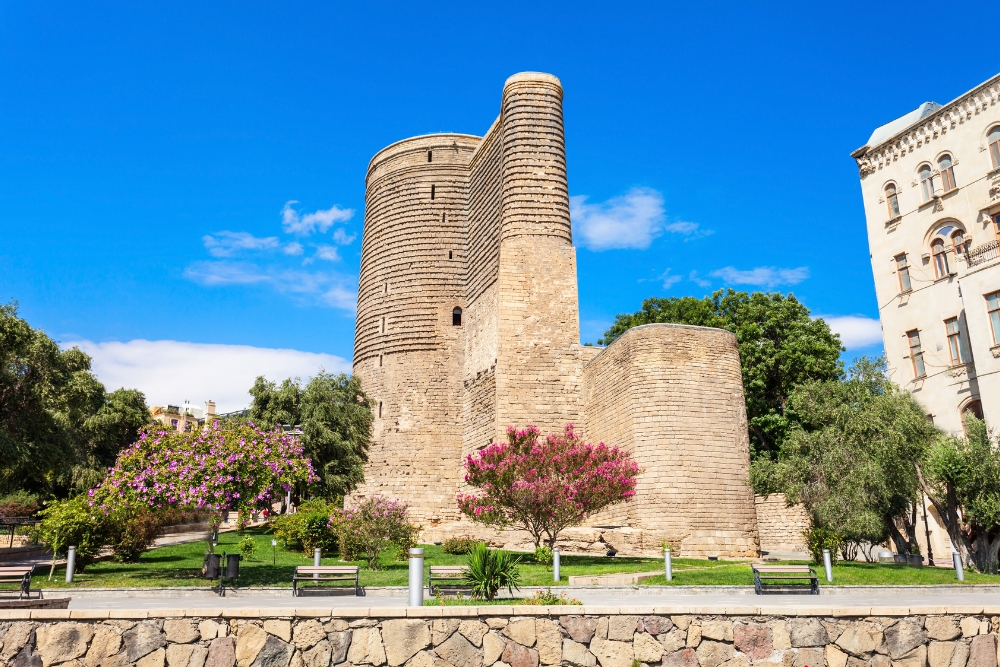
(982, 254)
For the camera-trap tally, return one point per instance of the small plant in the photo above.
(664, 545)
(371, 527)
(248, 547)
(72, 522)
(543, 556)
(818, 539)
(490, 570)
(547, 598)
(459, 546)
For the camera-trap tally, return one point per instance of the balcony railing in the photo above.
(982, 254)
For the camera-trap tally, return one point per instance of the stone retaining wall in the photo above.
(505, 636)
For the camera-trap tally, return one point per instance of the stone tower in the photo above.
(468, 322)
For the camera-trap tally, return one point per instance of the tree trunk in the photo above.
(947, 509)
(897, 537)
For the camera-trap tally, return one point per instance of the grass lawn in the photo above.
(180, 565)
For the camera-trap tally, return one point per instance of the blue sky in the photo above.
(182, 186)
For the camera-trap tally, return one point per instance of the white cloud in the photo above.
(295, 223)
(668, 280)
(310, 287)
(227, 244)
(340, 237)
(342, 297)
(700, 282)
(855, 331)
(225, 273)
(292, 248)
(630, 221)
(328, 252)
(170, 371)
(762, 276)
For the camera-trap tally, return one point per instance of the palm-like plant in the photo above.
(490, 570)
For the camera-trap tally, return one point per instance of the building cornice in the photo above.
(872, 158)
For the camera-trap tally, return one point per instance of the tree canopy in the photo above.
(780, 347)
(336, 419)
(59, 428)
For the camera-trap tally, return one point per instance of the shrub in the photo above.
(248, 547)
(547, 598)
(309, 527)
(72, 522)
(542, 556)
(490, 570)
(459, 546)
(371, 527)
(131, 530)
(818, 539)
(19, 503)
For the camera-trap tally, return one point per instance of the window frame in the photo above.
(960, 248)
(940, 259)
(948, 182)
(916, 354)
(953, 333)
(993, 313)
(456, 317)
(903, 273)
(892, 200)
(926, 184)
(994, 146)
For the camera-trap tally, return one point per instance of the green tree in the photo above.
(336, 419)
(780, 347)
(59, 429)
(961, 476)
(851, 455)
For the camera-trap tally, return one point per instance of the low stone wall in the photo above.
(505, 636)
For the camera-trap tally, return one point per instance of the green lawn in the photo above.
(180, 565)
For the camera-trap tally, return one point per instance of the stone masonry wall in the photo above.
(500, 637)
(781, 525)
(673, 395)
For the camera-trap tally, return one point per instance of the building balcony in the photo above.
(983, 254)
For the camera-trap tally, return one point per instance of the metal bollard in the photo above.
(555, 565)
(317, 557)
(956, 559)
(416, 578)
(70, 564)
(828, 565)
(668, 565)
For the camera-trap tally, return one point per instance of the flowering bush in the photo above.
(545, 486)
(371, 527)
(228, 466)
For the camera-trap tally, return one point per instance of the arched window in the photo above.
(456, 317)
(926, 182)
(960, 243)
(993, 139)
(974, 408)
(947, 173)
(892, 201)
(940, 258)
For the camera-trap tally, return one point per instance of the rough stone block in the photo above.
(646, 648)
(459, 651)
(942, 628)
(186, 655)
(612, 653)
(915, 658)
(713, 653)
(970, 626)
(753, 639)
(522, 631)
(442, 628)
(579, 628)
(904, 636)
(340, 641)
(806, 632)
(403, 638)
(274, 653)
(693, 635)
(106, 643)
(62, 642)
(939, 654)
(317, 656)
(780, 635)
(516, 655)
(860, 638)
(548, 641)
(493, 646)
(575, 654)
(655, 625)
(621, 628)
(221, 653)
(250, 639)
(15, 638)
(154, 659)
(719, 630)
(983, 651)
(809, 657)
(834, 656)
(686, 657)
(366, 646)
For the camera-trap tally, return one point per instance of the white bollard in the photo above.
(70, 564)
(416, 577)
(668, 565)
(956, 559)
(828, 565)
(555, 565)
(317, 557)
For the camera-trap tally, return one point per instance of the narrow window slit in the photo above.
(456, 317)
(380, 409)
(428, 156)
(380, 360)
(432, 192)
(449, 254)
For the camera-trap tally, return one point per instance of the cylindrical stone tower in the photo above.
(408, 343)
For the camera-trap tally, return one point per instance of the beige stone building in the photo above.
(183, 418)
(468, 322)
(931, 187)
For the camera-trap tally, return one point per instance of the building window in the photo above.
(449, 254)
(432, 192)
(994, 141)
(903, 270)
(892, 201)
(381, 325)
(380, 409)
(947, 173)
(961, 245)
(954, 345)
(456, 317)
(380, 360)
(428, 156)
(940, 258)
(993, 306)
(926, 182)
(916, 354)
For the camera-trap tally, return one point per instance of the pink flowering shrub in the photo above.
(544, 486)
(228, 466)
(371, 527)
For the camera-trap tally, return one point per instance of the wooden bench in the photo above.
(20, 574)
(325, 573)
(450, 577)
(786, 576)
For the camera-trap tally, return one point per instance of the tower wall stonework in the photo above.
(483, 224)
